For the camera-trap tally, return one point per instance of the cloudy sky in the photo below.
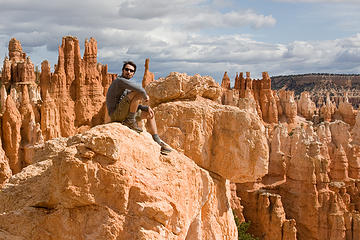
(199, 36)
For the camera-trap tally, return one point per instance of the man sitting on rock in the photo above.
(123, 103)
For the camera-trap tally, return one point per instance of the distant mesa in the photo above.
(318, 84)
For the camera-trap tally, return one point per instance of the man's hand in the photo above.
(151, 112)
(147, 98)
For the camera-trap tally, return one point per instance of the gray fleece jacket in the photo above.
(119, 88)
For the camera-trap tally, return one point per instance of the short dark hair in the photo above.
(130, 63)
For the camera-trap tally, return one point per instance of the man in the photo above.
(123, 103)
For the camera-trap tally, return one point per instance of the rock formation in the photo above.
(62, 103)
(5, 171)
(183, 87)
(267, 100)
(53, 112)
(225, 83)
(11, 124)
(197, 128)
(313, 169)
(269, 218)
(270, 105)
(328, 109)
(212, 220)
(288, 106)
(76, 183)
(320, 84)
(148, 76)
(215, 136)
(290, 166)
(347, 112)
(306, 107)
(17, 68)
(310, 169)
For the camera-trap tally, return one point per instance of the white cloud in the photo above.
(318, 1)
(144, 9)
(232, 19)
(237, 53)
(184, 36)
(129, 27)
(50, 20)
(248, 18)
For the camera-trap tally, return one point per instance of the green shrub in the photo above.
(242, 230)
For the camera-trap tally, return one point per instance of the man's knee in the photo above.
(135, 96)
(146, 115)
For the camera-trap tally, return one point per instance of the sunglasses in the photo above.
(129, 70)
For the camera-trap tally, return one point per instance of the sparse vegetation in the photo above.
(242, 230)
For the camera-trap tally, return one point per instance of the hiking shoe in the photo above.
(165, 149)
(132, 124)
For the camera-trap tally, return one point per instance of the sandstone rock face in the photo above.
(77, 86)
(268, 106)
(278, 150)
(3, 96)
(148, 76)
(266, 99)
(271, 106)
(347, 112)
(305, 169)
(235, 203)
(6, 72)
(89, 101)
(5, 171)
(223, 139)
(109, 183)
(269, 217)
(310, 169)
(356, 131)
(315, 101)
(288, 105)
(11, 124)
(17, 68)
(56, 104)
(181, 86)
(225, 83)
(328, 109)
(15, 50)
(237, 84)
(216, 218)
(306, 107)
